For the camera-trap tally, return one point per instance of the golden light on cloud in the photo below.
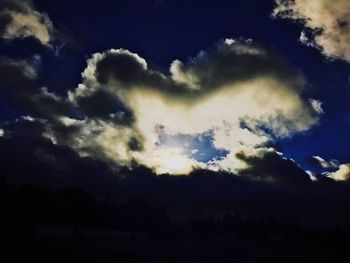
(221, 113)
(342, 174)
(240, 113)
(328, 20)
(25, 21)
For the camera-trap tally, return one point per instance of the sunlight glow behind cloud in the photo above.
(243, 105)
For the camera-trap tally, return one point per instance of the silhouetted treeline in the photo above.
(27, 209)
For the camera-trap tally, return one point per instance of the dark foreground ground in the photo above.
(94, 250)
(70, 225)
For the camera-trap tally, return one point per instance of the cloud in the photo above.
(322, 163)
(268, 165)
(242, 94)
(20, 19)
(326, 22)
(33, 160)
(317, 106)
(17, 75)
(231, 61)
(239, 95)
(342, 174)
(19, 82)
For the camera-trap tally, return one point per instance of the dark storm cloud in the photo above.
(271, 166)
(34, 160)
(203, 193)
(19, 5)
(19, 83)
(46, 105)
(105, 105)
(16, 76)
(5, 19)
(24, 128)
(123, 69)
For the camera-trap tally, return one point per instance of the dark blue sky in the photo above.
(161, 31)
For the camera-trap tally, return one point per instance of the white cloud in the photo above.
(316, 105)
(327, 24)
(311, 175)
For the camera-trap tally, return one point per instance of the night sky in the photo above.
(130, 98)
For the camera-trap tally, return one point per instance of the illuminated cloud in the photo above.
(316, 105)
(342, 174)
(240, 93)
(20, 19)
(327, 24)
